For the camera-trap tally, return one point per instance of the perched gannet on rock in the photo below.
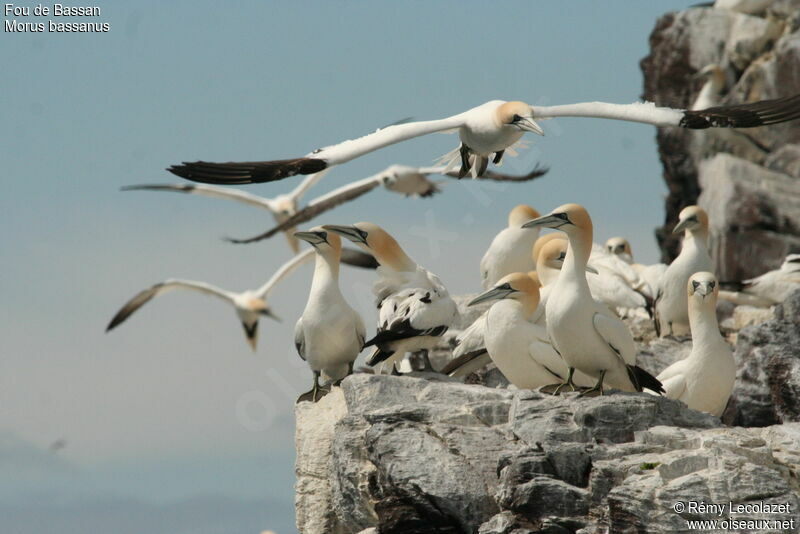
(704, 379)
(409, 181)
(587, 335)
(414, 307)
(650, 274)
(711, 92)
(768, 289)
(510, 250)
(518, 347)
(486, 131)
(671, 312)
(250, 305)
(330, 334)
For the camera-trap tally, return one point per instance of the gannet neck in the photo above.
(703, 322)
(394, 257)
(698, 237)
(578, 252)
(326, 275)
(547, 274)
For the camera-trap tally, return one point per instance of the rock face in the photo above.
(411, 455)
(747, 177)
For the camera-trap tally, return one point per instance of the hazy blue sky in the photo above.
(172, 411)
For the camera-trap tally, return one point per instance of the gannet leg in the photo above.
(394, 372)
(569, 382)
(312, 394)
(464, 150)
(426, 361)
(598, 388)
(498, 157)
(482, 163)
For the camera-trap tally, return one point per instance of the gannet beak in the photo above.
(704, 288)
(315, 238)
(350, 232)
(681, 226)
(251, 331)
(496, 293)
(268, 313)
(547, 221)
(591, 270)
(529, 125)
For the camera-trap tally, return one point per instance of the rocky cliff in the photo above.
(752, 191)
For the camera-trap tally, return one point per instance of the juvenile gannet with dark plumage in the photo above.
(414, 307)
(768, 289)
(330, 334)
(518, 347)
(587, 335)
(250, 305)
(704, 379)
(486, 131)
(510, 250)
(409, 181)
(671, 312)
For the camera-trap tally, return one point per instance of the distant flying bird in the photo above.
(57, 445)
(486, 131)
(330, 334)
(250, 305)
(414, 307)
(586, 334)
(704, 379)
(671, 312)
(768, 289)
(410, 181)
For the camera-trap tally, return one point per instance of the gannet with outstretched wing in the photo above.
(486, 131)
(414, 307)
(704, 379)
(330, 334)
(671, 311)
(588, 336)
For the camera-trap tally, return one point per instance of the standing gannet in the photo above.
(711, 92)
(414, 307)
(250, 305)
(409, 181)
(671, 312)
(587, 335)
(330, 334)
(282, 207)
(486, 131)
(704, 379)
(518, 347)
(768, 289)
(510, 250)
(650, 274)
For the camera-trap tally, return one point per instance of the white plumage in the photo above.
(768, 289)
(510, 250)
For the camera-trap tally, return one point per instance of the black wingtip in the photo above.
(750, 115)
(232, 173)
(644, 380)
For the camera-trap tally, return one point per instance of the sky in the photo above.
(172, 415)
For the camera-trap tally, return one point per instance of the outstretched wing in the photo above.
(537, 172)
(285, 270)
(206, 191)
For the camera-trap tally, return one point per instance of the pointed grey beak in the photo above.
(496, 293)
(681, 226)
(545, 221)
(529, 125)
(315, 238)
(350, 232)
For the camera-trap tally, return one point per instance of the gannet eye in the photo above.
(515, 118)
(362, 234)
(695, 285)
(506, 287)
(712, 284)
(562, 216)
(562, 256)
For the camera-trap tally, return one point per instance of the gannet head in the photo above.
(249, 308)
(541, 242)
(712, 73)
(552, 254)
(326, 243)
(618, 246)
(521, 214)
(377, 241)
(515, 286)
(692, 219)
(702, 285)
(518, 115)
(573, 219)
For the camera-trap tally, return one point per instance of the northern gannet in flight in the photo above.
(671, 312)
(330, 334)
(768, 289)
(414, 307)
(518, 347)
(713, 85)
(486, 131)
(410, 181)
(510, 250)
(587, 335)
(281, 207)
(250, 305)
(650, 274)
(704, 379)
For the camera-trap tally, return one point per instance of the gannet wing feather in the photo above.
(537, 172)
(307, 183)
(144, 296)
(318, 206)
(207, 191)
(616, 335)
(674, 386)
(316, 161)
(300, 339)
(735, 116)
(358, 258)
(285, 270)
(467, 363)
